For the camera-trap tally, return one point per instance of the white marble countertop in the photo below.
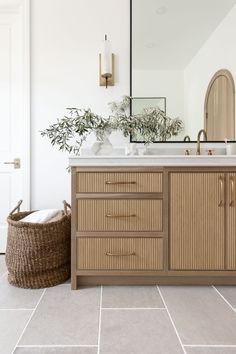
(153, 160)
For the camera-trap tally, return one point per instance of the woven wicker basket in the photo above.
(38, 255)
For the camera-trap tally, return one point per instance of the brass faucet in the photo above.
(202, 131)
(187, 138)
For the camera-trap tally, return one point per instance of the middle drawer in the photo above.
(119, 215)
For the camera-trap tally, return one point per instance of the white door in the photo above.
(14, 110)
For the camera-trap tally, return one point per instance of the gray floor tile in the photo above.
(55, 350)
(229, 293)
(12, 297)
(131, 296)
(138, 332)
(67, 282)
(201, 316)
(65, 317)
(3, 267)
(12, 323)
(205, 350)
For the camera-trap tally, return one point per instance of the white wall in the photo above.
(219, 52)
(66, 37)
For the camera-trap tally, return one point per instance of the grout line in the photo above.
(171, 320)
(134, 308)
(58, 346)
(227, 302)
(100, 321)
(210, 345)
(33, 312)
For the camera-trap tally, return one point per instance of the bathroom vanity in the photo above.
(153, 219)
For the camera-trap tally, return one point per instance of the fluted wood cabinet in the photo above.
(197, 221)
(202, 221)
(231, 221)
(150, 225)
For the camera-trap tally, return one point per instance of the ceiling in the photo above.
(167, 34)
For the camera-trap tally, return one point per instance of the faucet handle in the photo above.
(187, 152)
(210, 152)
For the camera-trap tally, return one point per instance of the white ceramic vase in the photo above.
(102, 145)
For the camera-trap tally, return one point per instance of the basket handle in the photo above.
(17, 207)
(66, 206)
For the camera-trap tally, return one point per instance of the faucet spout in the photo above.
(202, 131)
(187, 138)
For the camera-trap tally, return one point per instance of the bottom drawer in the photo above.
(120, 253)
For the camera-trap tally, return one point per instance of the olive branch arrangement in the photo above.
(71, 131)
(150, 125)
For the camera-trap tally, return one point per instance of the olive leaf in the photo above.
(70, 132)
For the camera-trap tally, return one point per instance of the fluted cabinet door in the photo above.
(231, 222)
(197, 221)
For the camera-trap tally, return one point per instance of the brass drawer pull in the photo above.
(231, 204)
(120, 216)
(117, 183)
(109, 254)
(221, 181)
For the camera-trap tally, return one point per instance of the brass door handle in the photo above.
(110, 254)
(221, 181)
(16, 163)
(120, 216)
(231, 181)
(117, 183)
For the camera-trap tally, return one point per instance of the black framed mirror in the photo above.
(183, 61)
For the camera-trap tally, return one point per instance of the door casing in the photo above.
(15, 18)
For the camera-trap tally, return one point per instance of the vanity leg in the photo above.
(74, 282)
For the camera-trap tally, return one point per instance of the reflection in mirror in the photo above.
(184, 51)
(220, 102)
(140, 103)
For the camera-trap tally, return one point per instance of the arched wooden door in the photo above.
(219, 116)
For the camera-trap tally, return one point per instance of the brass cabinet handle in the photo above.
(110, 254)
(231, 181)
(221, 181)
(120, 216)
(117, 183)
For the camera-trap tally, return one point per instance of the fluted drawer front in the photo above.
(119, 215)
(117, 182)
(119, 253)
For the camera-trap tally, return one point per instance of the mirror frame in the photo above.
(131, 96)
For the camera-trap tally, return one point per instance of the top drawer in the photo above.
(119, 182)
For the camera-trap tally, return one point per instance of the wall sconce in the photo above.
(106, 65)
